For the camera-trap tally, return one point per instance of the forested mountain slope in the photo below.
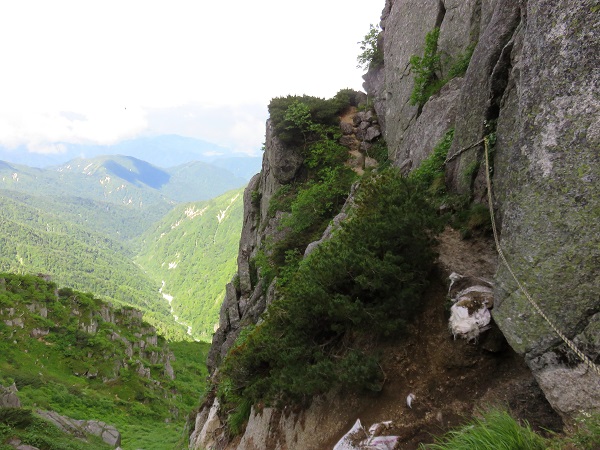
(35, 241)
(191, 253)
(77, 224)
(118, 222)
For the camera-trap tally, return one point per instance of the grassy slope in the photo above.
(150, 414)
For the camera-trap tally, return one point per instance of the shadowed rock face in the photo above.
(547, 176)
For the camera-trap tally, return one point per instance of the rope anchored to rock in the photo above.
(587, 361)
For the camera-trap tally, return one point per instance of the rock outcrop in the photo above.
(532, 84)
(8, 397)
(81, 428)
(547, 173)
(533, 80)
(245, 303)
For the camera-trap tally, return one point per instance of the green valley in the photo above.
(82, 224)
(190, 251)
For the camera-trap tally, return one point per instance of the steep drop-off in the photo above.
(532, 87)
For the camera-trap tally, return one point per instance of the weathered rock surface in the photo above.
(207, 426)
(533, 79)
(547, 173)
(405, 24)
(271, 428)
(80, 428)
(429, 128)
(17, 444)
(244, 305)
(8, 397)
(404, 36)
(484, 81)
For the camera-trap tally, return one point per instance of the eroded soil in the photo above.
(451, 379)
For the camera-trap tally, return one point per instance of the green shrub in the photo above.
(432, 168)
(371, 55)
(471, 219)
(346, 97)
(16, 417)
(282, 199)
(5, 301)
(263, 265)
(379, 152)
(367, 279)
(461, 63)
(298, 120)
(24, 379)
(497, 429)
(255, 197)
(318, 200)
(425, 69)
(587, 433)
(236, 420)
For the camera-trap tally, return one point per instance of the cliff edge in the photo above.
(530, 84)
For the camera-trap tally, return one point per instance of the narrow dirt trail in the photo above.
(450, 379)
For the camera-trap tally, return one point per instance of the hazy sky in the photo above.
(88, 71)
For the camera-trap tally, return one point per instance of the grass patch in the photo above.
(495, 430)
(427, 69)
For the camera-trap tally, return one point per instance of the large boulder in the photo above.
(8, 397)
(546, 176)
(81, 428)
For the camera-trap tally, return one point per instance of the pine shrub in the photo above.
(367, 280)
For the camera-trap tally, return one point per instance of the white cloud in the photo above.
(238, 127)
(112, 64)
(40, 131)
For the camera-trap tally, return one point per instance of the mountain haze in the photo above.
(162, 151)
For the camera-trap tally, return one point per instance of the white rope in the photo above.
(587, 361)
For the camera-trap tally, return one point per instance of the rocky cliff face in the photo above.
(244, 300)
(533, 78)
(532, 82)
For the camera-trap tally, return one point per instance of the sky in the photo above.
(98, 72)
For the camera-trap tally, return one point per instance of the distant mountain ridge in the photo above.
(79, 222)
(122, 180)
(163, 151)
